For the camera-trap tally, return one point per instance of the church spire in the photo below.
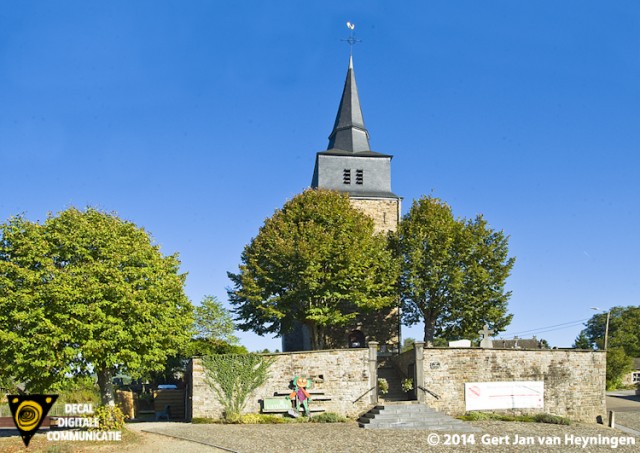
(349, 132)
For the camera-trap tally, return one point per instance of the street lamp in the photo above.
(606, 327)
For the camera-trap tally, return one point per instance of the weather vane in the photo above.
(351, 40)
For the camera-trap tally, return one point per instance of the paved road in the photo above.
(626, 405)
(623, 401)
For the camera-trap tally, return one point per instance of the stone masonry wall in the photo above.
(574, 380)
(343, 375)
(404, 362)
(385, 213)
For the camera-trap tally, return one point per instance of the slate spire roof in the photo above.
(349, 132)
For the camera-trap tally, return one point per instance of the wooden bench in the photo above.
(280, 402)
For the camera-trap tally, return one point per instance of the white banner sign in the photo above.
(504, 395)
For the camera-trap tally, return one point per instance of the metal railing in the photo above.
(435, 395)
(363, 395)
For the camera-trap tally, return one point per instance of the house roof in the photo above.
(518, 343)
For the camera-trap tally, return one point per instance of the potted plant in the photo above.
(407, 386)
(383, 386)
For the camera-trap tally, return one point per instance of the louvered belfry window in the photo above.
(346, 176)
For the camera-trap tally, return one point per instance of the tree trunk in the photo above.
(317, 336)
(429, 332)
(321, 338)
(107, 394)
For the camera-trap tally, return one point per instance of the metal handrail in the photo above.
(361, 396)
(435, 395)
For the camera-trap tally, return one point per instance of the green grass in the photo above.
(328, 417)
(268, 419)
(536, 418)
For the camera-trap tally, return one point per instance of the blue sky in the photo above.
(197, 119)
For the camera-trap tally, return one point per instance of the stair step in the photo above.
(415, 416)
(424, 410)
(411, 415)
(415, 421)
(456, 428)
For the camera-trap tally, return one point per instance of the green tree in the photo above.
(213, 321)
(453, 272)
(213, 326)
(618, 364)
(316, 261)
(87, 292)
(408, 344)
(623, 343)
(583, 342)
(212, 334)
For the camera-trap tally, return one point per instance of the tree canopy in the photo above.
(316, 261)
(87, 292)
(623, 343)
(212, 334)
(453, 272)
(213, 325)
(213, 321)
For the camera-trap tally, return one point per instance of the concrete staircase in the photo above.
(411, 415)
(394, 379)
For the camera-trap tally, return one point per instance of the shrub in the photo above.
(476, 416)
(246, 419)
(205, 421)
(111, 418)
(328, 417)
(552, 419)
(536, 418)
(260, 419)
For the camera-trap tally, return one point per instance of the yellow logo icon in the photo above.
(28, 413)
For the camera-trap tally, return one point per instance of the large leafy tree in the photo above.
(316, 261)
(623, 343)
(87, 292)
(624, 330)
(212, 334)
(453, 272)
(213, 321)
(213, 325)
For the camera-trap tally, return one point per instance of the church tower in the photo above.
(348, 165)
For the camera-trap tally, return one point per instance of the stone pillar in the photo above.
(418, 350)
(373, 370)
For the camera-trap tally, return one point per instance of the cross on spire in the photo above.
(351, 40)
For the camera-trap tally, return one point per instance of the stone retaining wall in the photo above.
(574, 380)
(344, 375)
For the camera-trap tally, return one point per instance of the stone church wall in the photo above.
(574, 380)
(344, 375)
(384, 212)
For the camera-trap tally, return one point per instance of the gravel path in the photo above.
(160, 443)
(348, 437)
